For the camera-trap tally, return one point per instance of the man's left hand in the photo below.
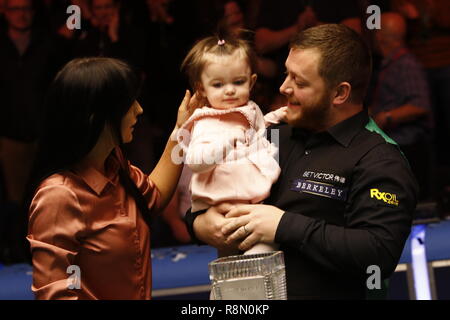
(252, 223)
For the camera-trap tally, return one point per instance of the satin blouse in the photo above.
(83, 226)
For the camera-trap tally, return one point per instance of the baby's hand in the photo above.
(275, 117)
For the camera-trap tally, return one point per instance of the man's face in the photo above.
(309, 100)
(103, 11)
(19, 14)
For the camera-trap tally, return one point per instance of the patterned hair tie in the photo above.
(221, 42)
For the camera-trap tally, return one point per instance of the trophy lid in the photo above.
(241, 266)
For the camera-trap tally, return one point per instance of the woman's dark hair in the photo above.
(85, 95)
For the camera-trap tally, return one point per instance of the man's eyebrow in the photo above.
(291, 72)
(296, 75)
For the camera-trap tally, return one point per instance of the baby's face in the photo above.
(226, 82)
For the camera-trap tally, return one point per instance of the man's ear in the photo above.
(253, 78)
(342, 93)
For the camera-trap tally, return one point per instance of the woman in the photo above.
(89, 209)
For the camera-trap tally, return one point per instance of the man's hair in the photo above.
(344, 56)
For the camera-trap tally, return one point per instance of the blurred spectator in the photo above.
(28, 61)
(159, 11)
(401, 105)
(54, 12)
(2, 12)
(233, 19)
(429, 38)
(276, 25)
(109, 35)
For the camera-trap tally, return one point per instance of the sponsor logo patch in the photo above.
(324, 176)
(389, 198)
(319, 189)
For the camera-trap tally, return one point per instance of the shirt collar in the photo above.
(96, 180)
(343, 132)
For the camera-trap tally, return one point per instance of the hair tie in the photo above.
(221, 42)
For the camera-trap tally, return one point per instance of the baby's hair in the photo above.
(218, 46)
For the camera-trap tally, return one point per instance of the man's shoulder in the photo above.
(382, 155)
(377, 143)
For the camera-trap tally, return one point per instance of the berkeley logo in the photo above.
(319, 189)
(389, 198)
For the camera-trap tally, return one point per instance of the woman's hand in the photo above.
(187, 107)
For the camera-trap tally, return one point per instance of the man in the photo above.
(345, 197)
(401, 104)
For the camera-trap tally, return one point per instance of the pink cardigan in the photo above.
(231, 161)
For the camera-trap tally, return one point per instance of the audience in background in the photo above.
(276, 25)
(401, 102)
(428, 24)
(154, 35)
(108, 34)
(29, 59)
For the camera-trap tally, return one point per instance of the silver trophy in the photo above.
(249, 277)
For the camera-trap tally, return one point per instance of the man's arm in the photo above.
(378, 219)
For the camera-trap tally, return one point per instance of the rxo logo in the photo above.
(389, 198)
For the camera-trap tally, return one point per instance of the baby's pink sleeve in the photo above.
(210, 143)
